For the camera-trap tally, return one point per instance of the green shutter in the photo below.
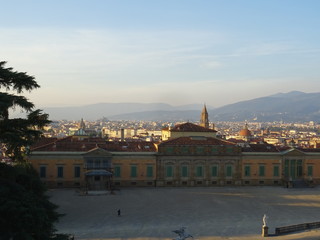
(286, 168)
(247, 171)
(229, 171)
(117, 171)
(149, 171)
(60, 172)
(76, 171)
(310, 171)
(261, 170)
(200, 150)
(199, 171)
(133, 171)
(169, 171)
(276, 171)
(184, 171)
(169, 150)
(299, 168)
(214, 171)
(43, 171)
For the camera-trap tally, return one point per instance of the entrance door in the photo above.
(293, 169)
(96, 183)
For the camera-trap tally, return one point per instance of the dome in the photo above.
(245, 132)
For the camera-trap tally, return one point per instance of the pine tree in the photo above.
(18, 133)
(25, 211)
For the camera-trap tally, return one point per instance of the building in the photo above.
(198, 161)
(186, 130)
(189, 155)
(93, 163)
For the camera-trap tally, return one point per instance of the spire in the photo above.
(204, 121)
(82, 125)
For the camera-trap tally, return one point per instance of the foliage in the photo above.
(18, 133)
(25, 211)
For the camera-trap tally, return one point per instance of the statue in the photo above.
(182, 234)
(264, 220)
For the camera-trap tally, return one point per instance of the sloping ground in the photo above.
(208, 213)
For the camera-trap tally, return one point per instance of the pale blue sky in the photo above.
(177, 52)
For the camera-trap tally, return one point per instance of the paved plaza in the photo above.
(207, 213)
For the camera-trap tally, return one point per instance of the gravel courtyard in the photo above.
(207, 213)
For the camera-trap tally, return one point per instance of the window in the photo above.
(76, 171)
(200, 150)
(43, 171)
(247, 171)
(276, 171)
(169, 171)
(199, 171)
(286, 168)
(214, 171)
(310, 171)
(96, 164)
(60, 172)
(149, 171)
(229, 170)
(117, 171)
(89, 163)
(133, 172)
(184, 171)
(299, 168)
(261, 170)
(105, 164)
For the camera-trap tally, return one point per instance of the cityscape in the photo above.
(159, 120)
(305, 135)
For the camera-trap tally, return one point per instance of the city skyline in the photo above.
(177, 52)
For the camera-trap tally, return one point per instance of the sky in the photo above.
(171, 51)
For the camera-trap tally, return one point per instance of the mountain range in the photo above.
(289, 107)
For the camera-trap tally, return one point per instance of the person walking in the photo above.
(119, 212)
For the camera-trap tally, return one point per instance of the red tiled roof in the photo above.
(236, 140)
(309, 149)
(72, 145)
(196, 141)
(42, 142)
(190, 127)
(260, 148)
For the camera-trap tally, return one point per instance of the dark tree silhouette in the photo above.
(25, 211)
(18, 133)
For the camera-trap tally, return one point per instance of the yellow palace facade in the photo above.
(193, 157)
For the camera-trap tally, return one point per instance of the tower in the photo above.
(82, 124)
(204, 121)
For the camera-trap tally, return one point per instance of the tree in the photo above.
(25, 211)
(18, 133)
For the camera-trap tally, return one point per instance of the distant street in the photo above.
(207, 213)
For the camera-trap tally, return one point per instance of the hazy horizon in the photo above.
(174, 105)
(175, 52)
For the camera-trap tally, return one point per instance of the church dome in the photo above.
(245, 132)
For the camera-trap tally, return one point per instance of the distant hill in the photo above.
(124, 111)
(290, 107)
(178, 115)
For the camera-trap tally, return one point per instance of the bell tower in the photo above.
(204, 120)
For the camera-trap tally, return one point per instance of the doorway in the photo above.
(293, 169)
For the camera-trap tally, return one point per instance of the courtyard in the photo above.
(207, 213)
